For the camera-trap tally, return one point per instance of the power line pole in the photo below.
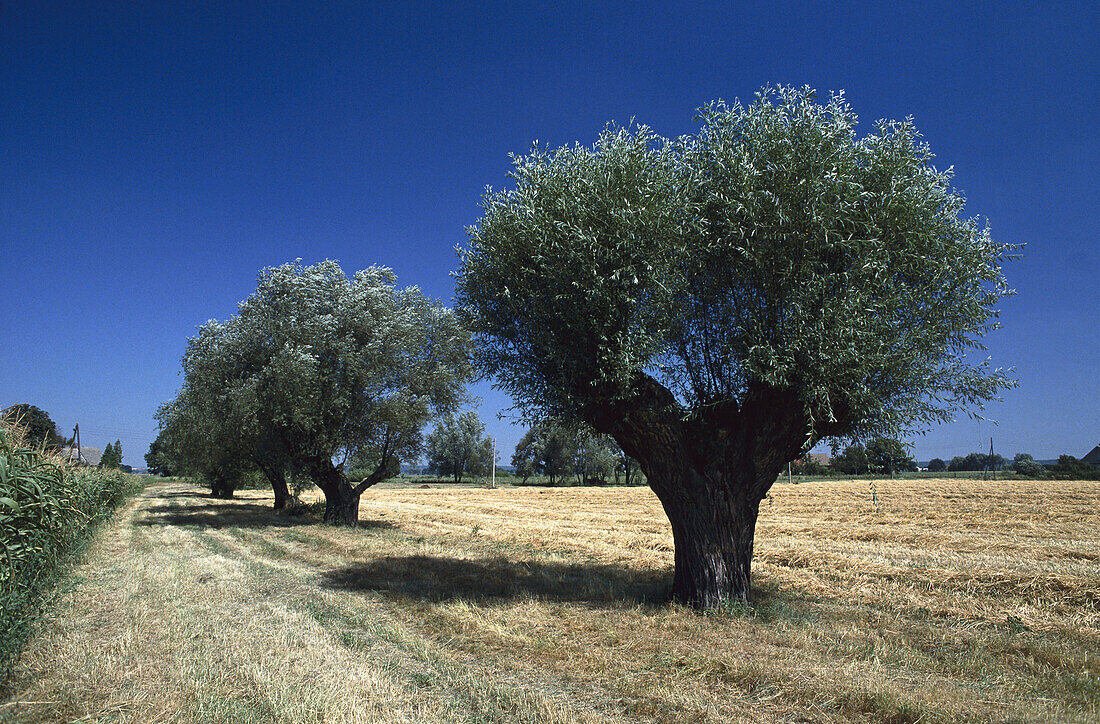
(79, 452)
(992, 465)
(493, 485)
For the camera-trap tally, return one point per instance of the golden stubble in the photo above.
(944, 600)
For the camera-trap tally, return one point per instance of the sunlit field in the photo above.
(942, 600)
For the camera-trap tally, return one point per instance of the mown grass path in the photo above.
(945, 601)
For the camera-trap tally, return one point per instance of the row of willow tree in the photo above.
(717, 304)
(317, 373)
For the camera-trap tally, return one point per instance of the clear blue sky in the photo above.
(155, 156)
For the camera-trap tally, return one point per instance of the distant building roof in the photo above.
(1093, 457)
(821, 458)
(90, 455)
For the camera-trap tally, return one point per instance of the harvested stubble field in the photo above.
(947, 600)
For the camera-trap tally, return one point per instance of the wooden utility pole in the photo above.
(788, 472)
(79, 452)
(992, 465)
(493, 484)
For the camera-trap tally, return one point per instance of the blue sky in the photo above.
(155, 156)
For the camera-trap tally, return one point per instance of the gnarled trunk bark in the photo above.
(282, 493)
(277, 478)
(341, 497)
(342, 506)
(713, 532)
(710, 473)
(341, 500)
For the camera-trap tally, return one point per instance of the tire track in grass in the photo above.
(218, 651)
(464, 671)
(367, 626)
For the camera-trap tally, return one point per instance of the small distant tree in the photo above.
(36, 423)
(976, 461)
(112, 456)
(457, 446)
(721, 302)
(1025, 466)
(482, 462)
(627, 468)
(594, 457)
(936, 465)
(885, 455)
(852, 460)
(525, 460)
(559, 449)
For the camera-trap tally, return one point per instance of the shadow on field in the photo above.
(184, 494)
(436, 578)
(233, 515)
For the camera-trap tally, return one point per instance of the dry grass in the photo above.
(949, 600)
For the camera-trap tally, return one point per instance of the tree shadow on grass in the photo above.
(440, 578)
(234, 515)
(492, 580)
(184, 494)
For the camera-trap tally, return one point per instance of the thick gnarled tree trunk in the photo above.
(710, 474)
(282, 493)
(342, 505)
(279, 487)
(713, 532)
(341, 497)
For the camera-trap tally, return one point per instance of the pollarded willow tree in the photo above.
(458, 446)
(720, 303)
(206, 431)
(316, 368)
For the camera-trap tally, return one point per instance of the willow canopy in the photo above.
(317, 368)
(721, 302)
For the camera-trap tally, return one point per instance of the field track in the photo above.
(946, 600)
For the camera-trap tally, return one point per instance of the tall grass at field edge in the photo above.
(48, 513)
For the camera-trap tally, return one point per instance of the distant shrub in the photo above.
(47, 512)
(1025, 466)
(976, 461)
(936, 465)
(1070, 468)
(38, 428)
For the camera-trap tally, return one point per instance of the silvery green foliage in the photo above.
(456, 446)
(317, 365)
(774, 247)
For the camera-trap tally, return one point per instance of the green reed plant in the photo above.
(48, 510)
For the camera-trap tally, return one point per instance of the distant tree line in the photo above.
(572, 452)
(880, 455)
(884, 456)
